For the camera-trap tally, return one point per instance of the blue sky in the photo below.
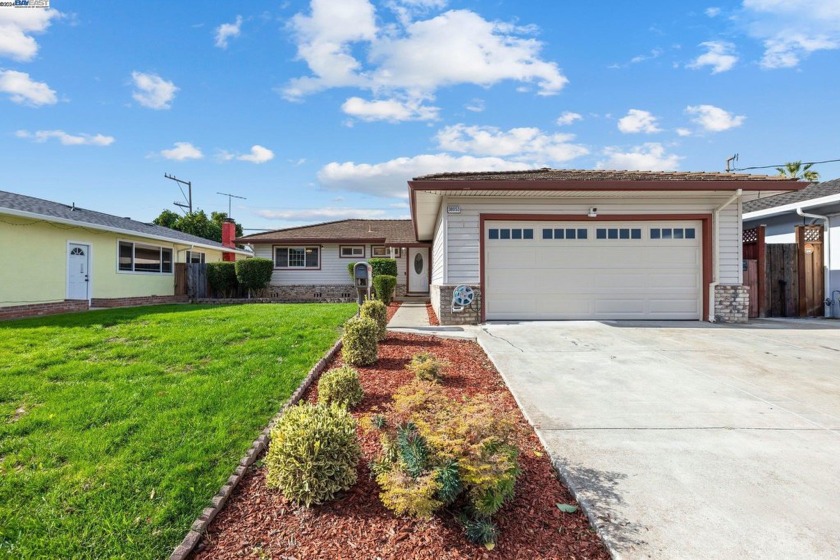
(322, 110)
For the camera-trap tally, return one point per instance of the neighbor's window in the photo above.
(134, 257)
(195, 257)
(383, 252)
(350, 251)
(297, 257)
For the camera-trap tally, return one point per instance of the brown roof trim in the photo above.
(605, 185)
(306, 240)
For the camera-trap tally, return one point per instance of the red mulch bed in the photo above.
(259, 523)
(433, 320)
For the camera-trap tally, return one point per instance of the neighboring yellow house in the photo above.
(63, 258)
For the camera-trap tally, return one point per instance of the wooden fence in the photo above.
(191, 280)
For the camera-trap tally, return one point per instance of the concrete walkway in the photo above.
(688, 440)
(413, 318)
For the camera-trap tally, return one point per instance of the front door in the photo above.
(418, 270)
(78, 262)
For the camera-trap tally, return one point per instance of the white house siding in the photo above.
(333, 270)
(463, 253)
(438, 253)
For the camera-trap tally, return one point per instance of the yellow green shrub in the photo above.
(405, 495)
(340, 386)
(378, 311)
(359, 343)
(313, 453)
(426, 367)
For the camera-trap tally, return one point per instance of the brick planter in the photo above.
(732, 303)
(441, 296)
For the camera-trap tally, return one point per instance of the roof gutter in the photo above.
(716, 252)
(174, 241)
(826, 252)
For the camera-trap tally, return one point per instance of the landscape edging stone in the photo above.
(199, 526)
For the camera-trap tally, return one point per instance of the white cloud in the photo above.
(683, 132)
(476, 105)
(415, 57)
(391, 110)
(714, 119)
(637, 121)
(227, 31)
(258, 154)
(17, 28)
(521, 144)
(650, 156)
(321, 214)
(153, 91)
(182, 151)
(793, 29)
(66, 139)
(712, 11)
(24, 90)
(719, 55)
(389, 178)
(568, 118)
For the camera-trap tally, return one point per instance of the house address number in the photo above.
(453, 208)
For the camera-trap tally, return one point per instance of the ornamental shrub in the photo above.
(313, 453)
(437, 452)
(426, 367)
(340, 386)
(384, 285)
(222, 278)
(350, 267)
(359, 344)
(254, 274)
(378, 311)
(383, 266)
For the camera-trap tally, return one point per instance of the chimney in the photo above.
(228, 235)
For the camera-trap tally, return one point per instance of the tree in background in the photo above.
(196, 223)
(795, 170)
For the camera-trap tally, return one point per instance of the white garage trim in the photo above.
(688, 294)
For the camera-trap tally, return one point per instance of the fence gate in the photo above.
(783, 280)
(809, 241)
(755, 270)
(196, 280)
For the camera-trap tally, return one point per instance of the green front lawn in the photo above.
(118, 426)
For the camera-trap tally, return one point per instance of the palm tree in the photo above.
(795, 170)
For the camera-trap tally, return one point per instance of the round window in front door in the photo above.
(418, 263)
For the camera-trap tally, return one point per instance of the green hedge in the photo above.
(222, 278)
(384, 285)
(383, 266)
(254, 274)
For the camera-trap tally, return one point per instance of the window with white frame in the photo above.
(383, 252)
(137, 257)
(297, 257)
(195, 257)
(352, 251)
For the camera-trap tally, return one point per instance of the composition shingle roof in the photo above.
(391, 232)
(55, 210)
(547, 174)
(815, 190)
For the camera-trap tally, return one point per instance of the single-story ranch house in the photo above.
(61, 258)
(817, 204)
(546, 244)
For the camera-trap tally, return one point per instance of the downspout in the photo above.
(827, 252)
(716, 252)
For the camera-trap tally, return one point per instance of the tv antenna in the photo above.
(230, 197)
(729, 162)
(188, 198)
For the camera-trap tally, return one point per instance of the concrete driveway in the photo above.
(688, 440)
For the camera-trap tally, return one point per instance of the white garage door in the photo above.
(592, 270)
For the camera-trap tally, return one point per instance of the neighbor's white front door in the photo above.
(78, 262)
(418, 270)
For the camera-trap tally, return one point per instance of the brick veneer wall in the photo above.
(40, 309)
(307, 293)
(732, 303)
(134, 301)
(441, 295)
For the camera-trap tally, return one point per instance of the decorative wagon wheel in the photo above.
(463, 296)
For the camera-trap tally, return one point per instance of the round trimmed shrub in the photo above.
(359, 344)
(313, 453)
(340, 386)
(222, 278)
(384, 285)
(378, 311)
(254, 274)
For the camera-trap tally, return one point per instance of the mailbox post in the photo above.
(363, 278)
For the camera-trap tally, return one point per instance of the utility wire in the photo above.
(783, 164)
